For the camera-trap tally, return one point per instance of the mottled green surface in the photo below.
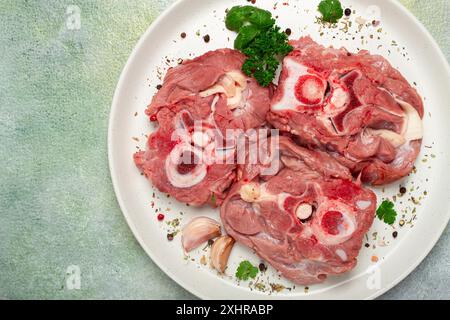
(57, 203)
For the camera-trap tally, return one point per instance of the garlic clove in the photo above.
(303, 211)
(250, 192)
(198, 231)
(220, 252)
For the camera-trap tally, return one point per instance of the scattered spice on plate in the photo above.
(158, 87)
(288, 31)
(260, 286)
(262, 267)
(367, 245)
(277, 287)
(183, 35)
(170, 236)
(348, 12)
(207, 38)
(160, 217)
(402, 190)
(374, 259)
(394, 234)
(210, 242)
(174, 223)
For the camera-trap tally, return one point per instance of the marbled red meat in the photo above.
(357, 107)
(308, 220)
(190, 155)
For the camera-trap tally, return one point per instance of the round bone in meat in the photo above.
(173, 161)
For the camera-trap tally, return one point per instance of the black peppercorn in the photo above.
(207, 38)
(348, 12)
(288, 31)
(170, 236)
(262, 267)
(183, 35)
(395, 234)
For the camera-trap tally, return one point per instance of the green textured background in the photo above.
(57, 203)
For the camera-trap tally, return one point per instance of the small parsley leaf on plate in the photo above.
(331, 10)
(246, 270)
(386, 212)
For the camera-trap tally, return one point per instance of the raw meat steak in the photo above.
(190, 156)
(307, 221)
(357, 107)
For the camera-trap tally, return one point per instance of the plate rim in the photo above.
(115, 105)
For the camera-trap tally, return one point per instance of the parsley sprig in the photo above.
(386, 212)
(331, 10)
(260, 40)
(246, 270)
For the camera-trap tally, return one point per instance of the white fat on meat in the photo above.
(289, 100)
(395, 139)
(341, 254)
(363, 204)
(412, 128)
(185, 180)
(232, 84)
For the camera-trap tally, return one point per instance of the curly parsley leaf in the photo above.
(240, 16)
(246, 35)
(262, 53)
(386, 212)
(246, 270)
(331, 10)
(260, 40)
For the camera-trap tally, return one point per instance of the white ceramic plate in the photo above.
(424, 208)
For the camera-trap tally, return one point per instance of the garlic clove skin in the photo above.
(198, 231)
(220, 252)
